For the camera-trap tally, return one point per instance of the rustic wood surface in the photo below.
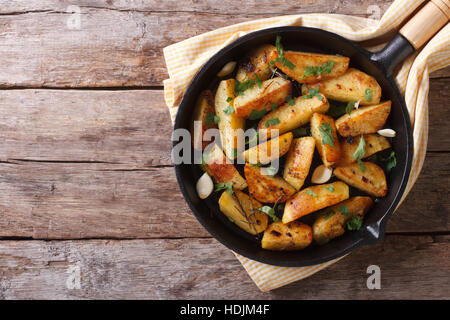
(85, 163)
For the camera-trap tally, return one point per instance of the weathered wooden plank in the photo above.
(204, 269)
(79, 200)
(120, 43)
(128, 127)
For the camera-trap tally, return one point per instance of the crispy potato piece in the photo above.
(364, 120)
(298, 161)
(261, 98)
(231, 127)
(292, 117)
(303, 60)
(314, 198)
(320, 128)
(372, 180)
(331, 222)
(374, 143)
(354, 85)
(203, 107)
(257, 62)
(265, 188)
(221, 169)
(263, 153)
(287, 237)
(243, 211)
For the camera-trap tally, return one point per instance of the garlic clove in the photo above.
(321, 174)
(204, 186)
(387, 133)
(357, 104)
(227, 69)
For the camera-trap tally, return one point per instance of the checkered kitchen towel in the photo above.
(184, 59)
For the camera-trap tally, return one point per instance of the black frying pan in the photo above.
(380, 66)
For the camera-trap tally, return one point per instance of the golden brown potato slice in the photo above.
(364, 120)
(354, 85)
(261, 98)
(298, 161)
(312, 67)
(331, 223)
(324, 132)
(283, 237)
(204, 115)
(291, 117)
(270, 150)
(243, 211)
(372, 180)
(257, 62)
(374, 143)
(221, 169)
(266, 188)
(314, 198)
(231, 127)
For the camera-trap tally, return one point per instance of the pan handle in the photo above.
(414, 34)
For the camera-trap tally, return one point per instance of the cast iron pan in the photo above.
(380, 66)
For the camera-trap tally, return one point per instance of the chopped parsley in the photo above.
(329, 188)
(228, 186)
(329, 214)
(216, 119)
(235, 152)
(272, 122)
(354, 223)
(240, 87)
(350, 107)
(360, 152)
(315, 71)
(336, 109)
(228, 110)
(327, 134)
(344, 210)
(290, 100)
(391, 161)
(281, 58)
(311, 193)
(270, 212)
(361, 165)
(258, 164)
(255, 114)
(210, 118)
(313, 93)
(229, 99)
(368, 94)
(274, 106)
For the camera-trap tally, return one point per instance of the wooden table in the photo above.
(88, 188)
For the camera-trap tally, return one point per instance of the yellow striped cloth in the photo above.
(183, 60)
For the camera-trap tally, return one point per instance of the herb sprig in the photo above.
(322, 69)
(327, 134)
(281, 58)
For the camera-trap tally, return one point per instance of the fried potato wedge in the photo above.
(266, 188)
(270, 150)
(298, 161)
(314, 64)
(231, 127)
(202, 119)
(314, 198)
(218, 166)
(331, 222)
(374, 143)
(324, 132)
(291, 117)
(287, 237)
(371, 181)
(256, 62)
(243, 211)
(364, 120)
(354, 85)
(261, 98)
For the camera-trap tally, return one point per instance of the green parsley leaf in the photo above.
(274, 106)
(281, 59)
(255, 114)
(354, 224)
(270, 212)
(300, 132)
(228, 186)
(259, 164)
(350, 107)
(311, 193)
(336, 110)
(290, 100)
(272, 122)
(360, 150)
(368, 94)
(391, 161)
(228, 110)
(229, 99)
(313, 93)
(235, 152)
(330, 188)
(314, 70)
(216, 119)
(344, 210)
(327, 134)
(210, 118)
(257, 80)
(361, 165)
(329, 214)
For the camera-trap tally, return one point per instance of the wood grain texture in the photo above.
(204, 269)
(119, 43)
(82, 200)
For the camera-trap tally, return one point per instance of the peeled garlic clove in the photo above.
(387, 133)
(204, 186)
(321, 174)
(227, 69)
